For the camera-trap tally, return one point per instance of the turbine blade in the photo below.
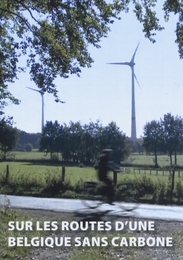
(119, 63)
(133, 57)
(33, 89)
(137, 80)
(41, 92)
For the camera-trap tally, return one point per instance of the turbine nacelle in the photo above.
(40, 91)
(42, 95)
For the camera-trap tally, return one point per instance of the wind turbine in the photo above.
(42, 96)
(133, 118)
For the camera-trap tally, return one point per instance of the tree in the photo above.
(53, 35)
(172, 127)
(52, 138)
(173, 140)
(8, 138)
(73, 140)
(165, 135)
(146, 13)
(28, 147)
(28, 138)
(113, 138)
(152, 138)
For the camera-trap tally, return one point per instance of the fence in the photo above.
(161, 172)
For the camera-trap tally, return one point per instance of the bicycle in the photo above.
(95, 195)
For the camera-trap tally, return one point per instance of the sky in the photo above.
(103, 92)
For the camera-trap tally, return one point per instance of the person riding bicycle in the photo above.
(104, 165)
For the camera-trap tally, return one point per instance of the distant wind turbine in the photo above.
(133, 118)
(42, 96)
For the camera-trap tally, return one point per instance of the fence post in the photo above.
(7, 173)
(115, 177)
(63, 173)
(173, 181)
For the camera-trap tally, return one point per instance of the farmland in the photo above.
(33, 173)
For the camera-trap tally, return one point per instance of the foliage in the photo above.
(52, 138)
(8, 137)
(152, 138)
(28, 147)
(24, 138)
(165, 135)
(83, 143)
(179, 190)
(172, 134)
(53, 36)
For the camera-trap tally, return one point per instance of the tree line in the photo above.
(83, 143)
(164, 136)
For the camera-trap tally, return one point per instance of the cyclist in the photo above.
(104, 165)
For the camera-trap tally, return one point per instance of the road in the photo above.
(74, 205)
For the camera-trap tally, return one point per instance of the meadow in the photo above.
(31, 173)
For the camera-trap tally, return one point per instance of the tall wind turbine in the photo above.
(133, 118)
(42, 96)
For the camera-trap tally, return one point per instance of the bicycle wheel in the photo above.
(91, 200)
(125, 197)
(129, 204)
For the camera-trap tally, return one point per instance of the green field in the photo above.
(163, 160)
(29, 174)
(33, 155)
(41, 168)
(142, 159)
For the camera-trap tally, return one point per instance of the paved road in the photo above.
(72, 205)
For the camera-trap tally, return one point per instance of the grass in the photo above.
(32, 155)
(10, 253)
(74, 174)
(163, 160)
(41, 178)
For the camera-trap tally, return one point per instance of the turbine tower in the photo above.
(42, 96)
(133, 117)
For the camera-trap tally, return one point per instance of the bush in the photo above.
(162, 192)
(79, 186)
(169, 188)
(28, 147)
(55, 187)
(69, 194)
(143, 186)
(179, 190)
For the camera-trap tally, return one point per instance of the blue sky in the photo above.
(103, 92)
